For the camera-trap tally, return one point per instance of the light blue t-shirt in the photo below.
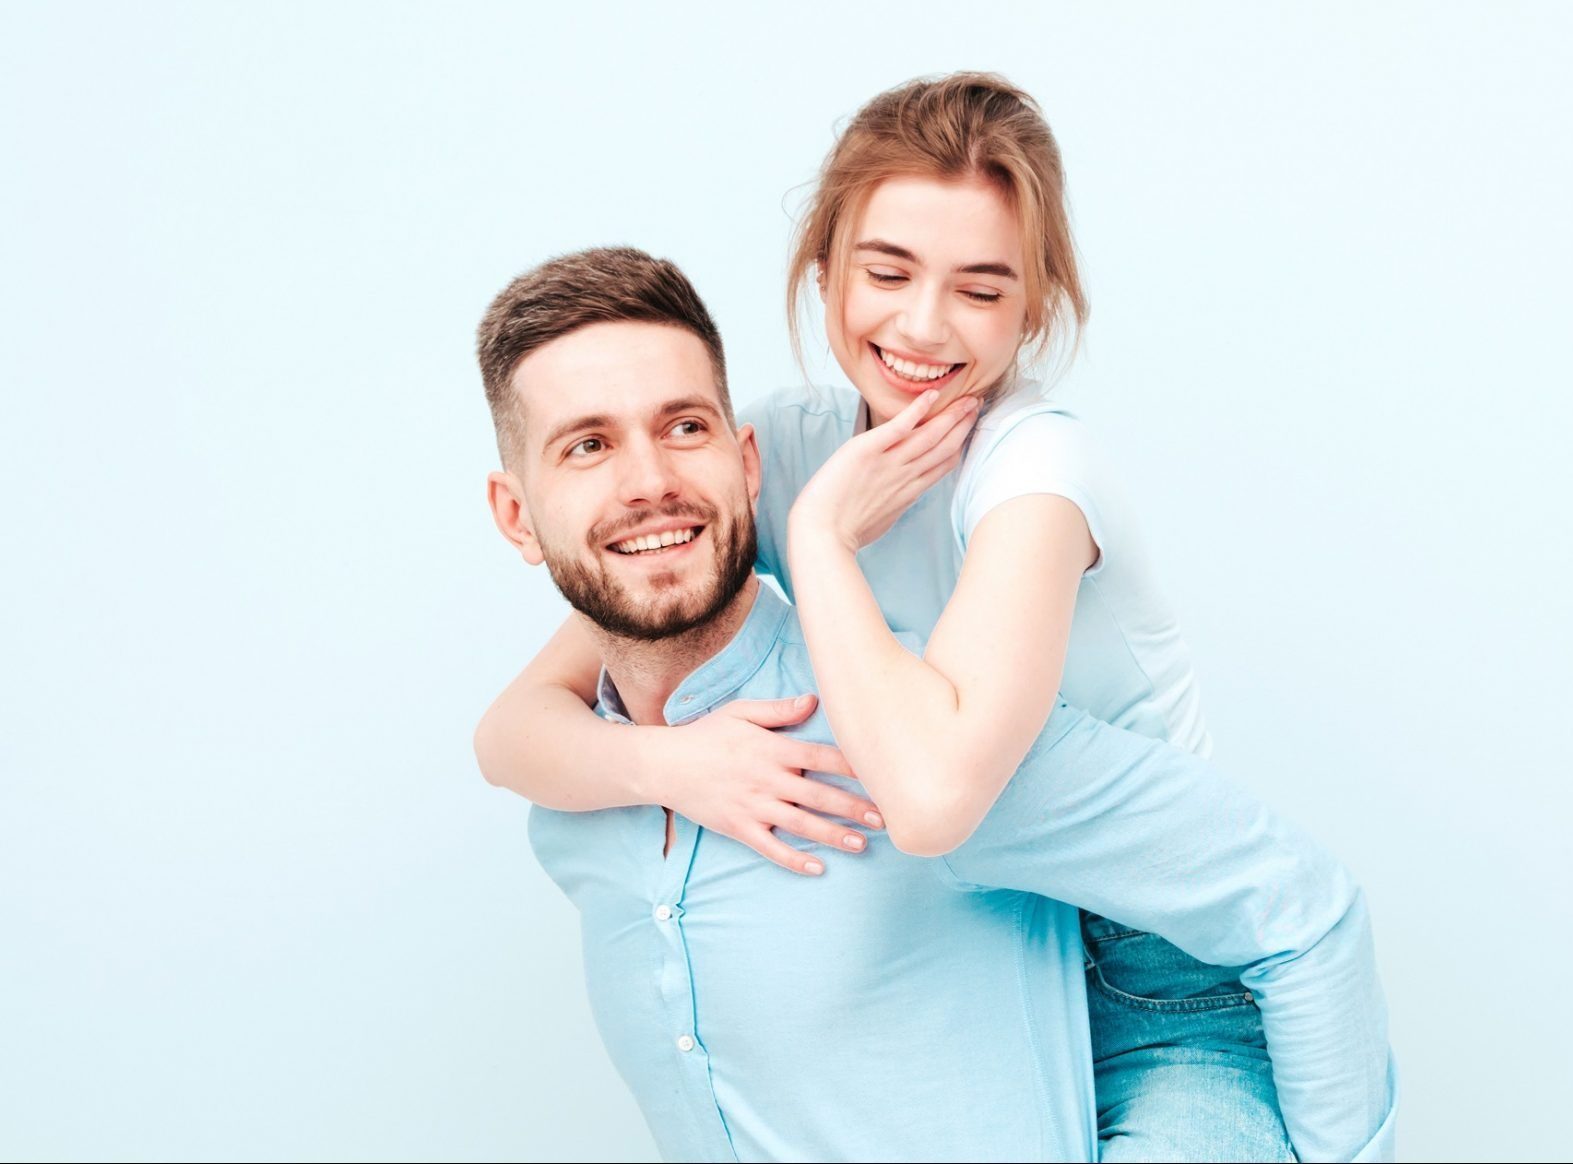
(1126, 662)
(906, 1008)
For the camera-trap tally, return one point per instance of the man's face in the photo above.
(637, 494)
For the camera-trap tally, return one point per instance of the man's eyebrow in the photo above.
(690, 404)
(602, 420)
(880, 246)
(567, 427)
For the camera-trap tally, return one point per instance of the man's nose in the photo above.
(923, 322)
(649, 474)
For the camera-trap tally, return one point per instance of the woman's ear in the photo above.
(505, 496)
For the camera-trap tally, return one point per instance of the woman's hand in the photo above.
(871, 480)
(728, 772)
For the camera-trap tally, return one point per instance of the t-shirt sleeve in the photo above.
(1041, 452)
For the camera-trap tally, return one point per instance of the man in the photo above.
(902, 1008)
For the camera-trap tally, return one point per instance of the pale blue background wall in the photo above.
(255, 900)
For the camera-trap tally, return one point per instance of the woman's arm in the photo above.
(935, 739)
(725, 771)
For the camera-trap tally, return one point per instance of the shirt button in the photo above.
(686, 699)
(685, 1043)
(663, 913)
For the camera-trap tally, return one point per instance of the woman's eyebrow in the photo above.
(880, 246)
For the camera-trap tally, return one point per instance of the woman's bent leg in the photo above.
(1180, 1062)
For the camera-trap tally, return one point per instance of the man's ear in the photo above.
(505, 495)
(748, 443)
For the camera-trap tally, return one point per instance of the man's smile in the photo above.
(663, 543)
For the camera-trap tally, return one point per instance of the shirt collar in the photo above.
(715, 680)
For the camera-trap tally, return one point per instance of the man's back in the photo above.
(883, 1011)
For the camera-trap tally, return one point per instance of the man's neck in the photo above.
(646, 672)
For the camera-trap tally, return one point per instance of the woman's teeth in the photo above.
(648, 542)
(907, 370)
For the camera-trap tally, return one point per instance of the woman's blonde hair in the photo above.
(959, 126)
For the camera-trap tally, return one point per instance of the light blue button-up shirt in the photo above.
(902, 1008)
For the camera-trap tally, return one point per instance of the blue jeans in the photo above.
(1180, 1063)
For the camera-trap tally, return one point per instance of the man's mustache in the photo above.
(613, 531)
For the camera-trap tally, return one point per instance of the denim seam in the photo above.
(1115, 937)
(1172, 1005)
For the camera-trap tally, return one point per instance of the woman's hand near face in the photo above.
(871, 480)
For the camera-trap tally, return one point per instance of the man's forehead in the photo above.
(628, 370)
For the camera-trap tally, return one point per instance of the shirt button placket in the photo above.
(677, 987)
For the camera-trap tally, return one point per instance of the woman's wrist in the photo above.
(813, 534)
(649, 768)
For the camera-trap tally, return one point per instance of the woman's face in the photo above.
(934, 295)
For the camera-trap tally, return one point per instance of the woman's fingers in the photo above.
(816, 828)
(773, 713)
(805, 755)
(946, 447)
(908, 418)
(832, 801)
(772, 848)
(952, 424)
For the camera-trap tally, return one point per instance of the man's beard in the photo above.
(594, 593)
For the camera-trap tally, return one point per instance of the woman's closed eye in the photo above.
(893, 279)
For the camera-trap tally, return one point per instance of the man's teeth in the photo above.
(672, 537)
(911, 371)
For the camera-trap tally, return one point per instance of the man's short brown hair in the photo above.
(562, 295)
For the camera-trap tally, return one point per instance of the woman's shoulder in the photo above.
(1025, 444)
(1031, 436)
(1025, 415)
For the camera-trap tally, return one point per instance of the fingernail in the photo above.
(853, 841)
(801, 701)
(814, 867)
(874, 819)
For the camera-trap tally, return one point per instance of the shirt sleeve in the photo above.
(1039, 451)
(1154, 837)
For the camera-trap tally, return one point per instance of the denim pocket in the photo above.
(1142, 970)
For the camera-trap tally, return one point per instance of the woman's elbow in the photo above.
(931, 829)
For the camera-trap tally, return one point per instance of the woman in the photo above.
(939, 242)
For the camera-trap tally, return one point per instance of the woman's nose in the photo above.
(923, 321)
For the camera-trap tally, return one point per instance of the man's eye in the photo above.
(688, 427)
(586, 447)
